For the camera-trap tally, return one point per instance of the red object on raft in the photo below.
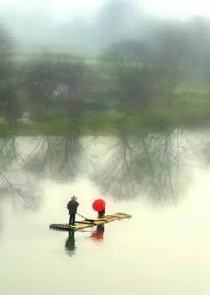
(99, 205)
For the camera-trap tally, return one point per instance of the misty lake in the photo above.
(161, 179)
(105, 99)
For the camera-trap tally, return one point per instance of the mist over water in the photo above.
(158, 248)
(105, 99)
(159, 167)
(161, 179)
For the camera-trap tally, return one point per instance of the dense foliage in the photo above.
(159, 80)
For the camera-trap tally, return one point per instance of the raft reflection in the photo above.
(97, 236)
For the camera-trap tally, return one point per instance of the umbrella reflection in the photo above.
(98, 234)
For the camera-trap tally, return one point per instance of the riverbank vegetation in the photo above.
(151, 83)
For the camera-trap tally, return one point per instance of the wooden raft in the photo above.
(79, 225)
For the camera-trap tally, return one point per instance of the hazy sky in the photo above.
(65, 9)
(178, 8)
(58, 9)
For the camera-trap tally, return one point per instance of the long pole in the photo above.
(90, 220)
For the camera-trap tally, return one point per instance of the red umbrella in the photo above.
(99, 205)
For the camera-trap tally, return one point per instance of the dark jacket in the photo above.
(72, 206)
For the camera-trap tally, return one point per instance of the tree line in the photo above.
(167, 69)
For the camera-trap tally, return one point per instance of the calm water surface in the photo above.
(163, 249)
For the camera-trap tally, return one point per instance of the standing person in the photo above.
(101, 213)
(72, 207)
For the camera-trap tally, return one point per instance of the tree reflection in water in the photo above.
(14, 182)
(59, 157)
(146, 162)
(125, 166)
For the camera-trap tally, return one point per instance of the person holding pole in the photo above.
(72, 207)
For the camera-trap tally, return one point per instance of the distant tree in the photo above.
(54, 82)
(181, 56)
(131, 63)
(38, 83)
(181, 48)
(9, 106)
(172, 47)
(130, 52)
(198, 55)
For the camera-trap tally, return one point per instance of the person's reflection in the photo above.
(98, 234)
(70, 244)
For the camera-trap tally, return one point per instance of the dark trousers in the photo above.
(72, 218)
(101, 213)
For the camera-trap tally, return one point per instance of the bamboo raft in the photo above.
(80, 225)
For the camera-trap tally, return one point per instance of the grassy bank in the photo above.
(111, 122)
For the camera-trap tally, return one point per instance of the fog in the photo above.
(88, 26)
(105, 99)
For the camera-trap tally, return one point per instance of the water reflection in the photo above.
(205, 148)
(14, 182)
(1, 219)
(98, 234)
(70, 244)
(145, 162)
(124, 166)
(60, 157)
